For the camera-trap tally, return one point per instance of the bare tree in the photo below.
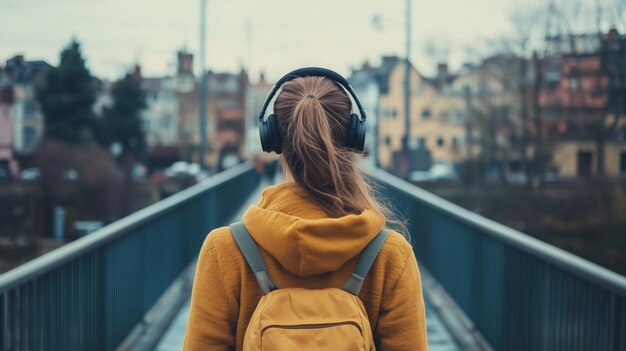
(521, 77)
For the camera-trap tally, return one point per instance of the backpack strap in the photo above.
(251, 252)
(355, 282)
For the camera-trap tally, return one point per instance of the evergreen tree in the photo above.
(122, 119)
(66, 97)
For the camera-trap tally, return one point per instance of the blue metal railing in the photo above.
(90, 294)
(519, 292)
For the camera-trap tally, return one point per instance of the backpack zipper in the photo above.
(313, 326)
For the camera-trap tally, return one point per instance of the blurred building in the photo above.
(226, 108)
(583, 43)
(161, 113)
(436, 119)
(493, 100)
(369, 82)
(21, 120)
(583, 102)
(160, 120)
(28, 123)
(8, 164)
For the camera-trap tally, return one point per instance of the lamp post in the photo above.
(404, 158)
(407, 82)
(203, 87)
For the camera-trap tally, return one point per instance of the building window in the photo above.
(574, 82)
(482, 87)
(622, 162)
(30, 137)
(165, 123)
(459, 117)
(584, 162)
(444, 116)
(455, 143)
(389, 112)
(426, 113)
(440, 142)
(387, 140)
(553, 72)
(504, 112)
(421, 143)
(30, 109)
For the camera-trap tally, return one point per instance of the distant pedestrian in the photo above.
(270, 171)
(266, 166)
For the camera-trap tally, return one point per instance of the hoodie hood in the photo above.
(299, 234)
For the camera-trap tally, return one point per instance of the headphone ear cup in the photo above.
(352, 134)
(265, 145)
(273, 132)
(361, 135)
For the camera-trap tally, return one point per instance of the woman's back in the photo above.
(312, 228)
(304, 248)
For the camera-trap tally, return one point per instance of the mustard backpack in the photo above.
(308, 319)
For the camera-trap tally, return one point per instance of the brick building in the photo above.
(583, 101)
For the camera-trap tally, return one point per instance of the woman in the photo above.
(310, 229)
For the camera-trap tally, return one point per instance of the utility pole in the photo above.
(249, 46)
(203, 86)
(407, 82)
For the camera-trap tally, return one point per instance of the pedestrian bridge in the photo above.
(486, 286)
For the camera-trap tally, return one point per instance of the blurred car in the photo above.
(70, 175)
(179, 168)
(230, 160)
(438, 171)
(182, 168)
(516, 177)
(30, 174)
(139, 172)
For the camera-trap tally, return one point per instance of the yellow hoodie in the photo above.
(303, 247)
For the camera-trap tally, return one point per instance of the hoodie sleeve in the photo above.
(402, 320)
(211, 325)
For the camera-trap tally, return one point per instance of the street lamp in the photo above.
(407, 81)
(377, 22)
(203, 86)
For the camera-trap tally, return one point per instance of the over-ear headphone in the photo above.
(268, 124)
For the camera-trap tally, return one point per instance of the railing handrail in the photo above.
(65, 253)
(552, 254)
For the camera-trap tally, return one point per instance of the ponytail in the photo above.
(312, 113)
(313, 147)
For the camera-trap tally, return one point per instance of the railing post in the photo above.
(615, 323)
(5, 320)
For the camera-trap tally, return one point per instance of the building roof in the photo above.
(379, 74)
(21, 71)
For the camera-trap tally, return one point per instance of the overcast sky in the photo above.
(270, 35)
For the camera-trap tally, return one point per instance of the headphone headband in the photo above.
(268, 123)
(268, 106)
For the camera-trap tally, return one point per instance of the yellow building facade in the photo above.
(437, 119)
(580, 159)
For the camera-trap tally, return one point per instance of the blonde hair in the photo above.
(313, 115)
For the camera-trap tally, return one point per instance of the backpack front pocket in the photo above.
(339, 336)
